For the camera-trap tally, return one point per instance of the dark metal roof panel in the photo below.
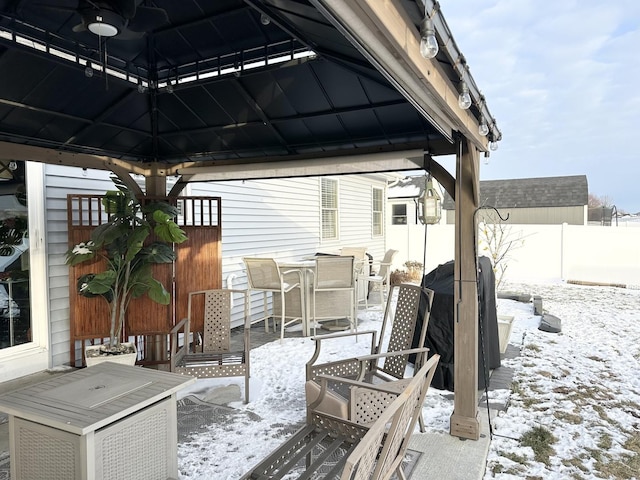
(333, 101)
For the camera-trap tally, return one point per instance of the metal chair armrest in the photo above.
(329, 336)
(375, 356)
(295, 271)
(176, 352)
(318, 339)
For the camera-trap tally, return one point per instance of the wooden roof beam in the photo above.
(385, 34)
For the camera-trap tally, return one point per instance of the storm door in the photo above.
(15, 311)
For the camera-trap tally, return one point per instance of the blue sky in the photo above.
(562, 79)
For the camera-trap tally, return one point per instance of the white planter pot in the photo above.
(505, 325)
(125, 358)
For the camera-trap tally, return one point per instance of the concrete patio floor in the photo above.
(442, 456)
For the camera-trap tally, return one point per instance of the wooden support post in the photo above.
(156, 182)
(464, 421)
(156, 347)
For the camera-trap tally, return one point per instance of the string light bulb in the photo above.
(88, 71)
(464, 99)
(493, 145)
(428, 41)
(483, 128)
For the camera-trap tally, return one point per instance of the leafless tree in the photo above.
(497, 240)
(595, 201)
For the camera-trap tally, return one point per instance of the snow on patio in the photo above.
(582, 386)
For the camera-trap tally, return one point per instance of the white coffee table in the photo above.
(105, 422)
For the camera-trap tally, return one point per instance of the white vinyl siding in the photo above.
(329, 213)
(377, 212)
(276, 218)
(60, 181)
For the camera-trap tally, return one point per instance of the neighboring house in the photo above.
(402, 199)
(540, 201)
(545, 200)
(281, 218)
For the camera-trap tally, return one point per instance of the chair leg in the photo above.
(313, 314)
(265, 312)
(354, 313)
(400, 473)
(366, 297)
(304, 319)
(282, 316)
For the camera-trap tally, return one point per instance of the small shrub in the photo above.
(399, 276)
(411, 274)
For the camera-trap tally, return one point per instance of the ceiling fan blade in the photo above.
(81, 27)
(126, 34)
(126, 8)
(147, 19)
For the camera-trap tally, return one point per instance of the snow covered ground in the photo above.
(575, 396)
(578, 392)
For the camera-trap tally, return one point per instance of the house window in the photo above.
(24, 338)
(377, 203)
(399, 214)
(329, 209)
(14, 256)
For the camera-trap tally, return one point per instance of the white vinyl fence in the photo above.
(603, 255)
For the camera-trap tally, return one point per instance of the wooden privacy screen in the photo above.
(198, 267)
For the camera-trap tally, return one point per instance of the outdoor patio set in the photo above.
(361, 411)
(303, 294)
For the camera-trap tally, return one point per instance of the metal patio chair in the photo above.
(264, 275)
(387, 361)
(209, 353)
(381, 279)
(372, 446)
(334, 274)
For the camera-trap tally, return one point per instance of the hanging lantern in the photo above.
(431, 204)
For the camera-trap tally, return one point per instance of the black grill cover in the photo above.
(440, 329)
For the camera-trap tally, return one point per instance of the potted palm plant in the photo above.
(128, 262)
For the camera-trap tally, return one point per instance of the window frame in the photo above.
(377, 213)
(334, 209)
(33, 356)
(404, 215)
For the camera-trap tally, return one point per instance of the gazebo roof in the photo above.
(225, 82)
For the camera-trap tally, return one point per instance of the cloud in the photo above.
(561, 80)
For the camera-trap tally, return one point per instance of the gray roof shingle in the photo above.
(531, 192)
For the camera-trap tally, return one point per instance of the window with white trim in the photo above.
(329, 209)
(377, 213)
(399, 214)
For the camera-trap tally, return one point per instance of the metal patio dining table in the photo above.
(329, 305)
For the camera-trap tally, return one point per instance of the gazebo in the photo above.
(239, 89)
